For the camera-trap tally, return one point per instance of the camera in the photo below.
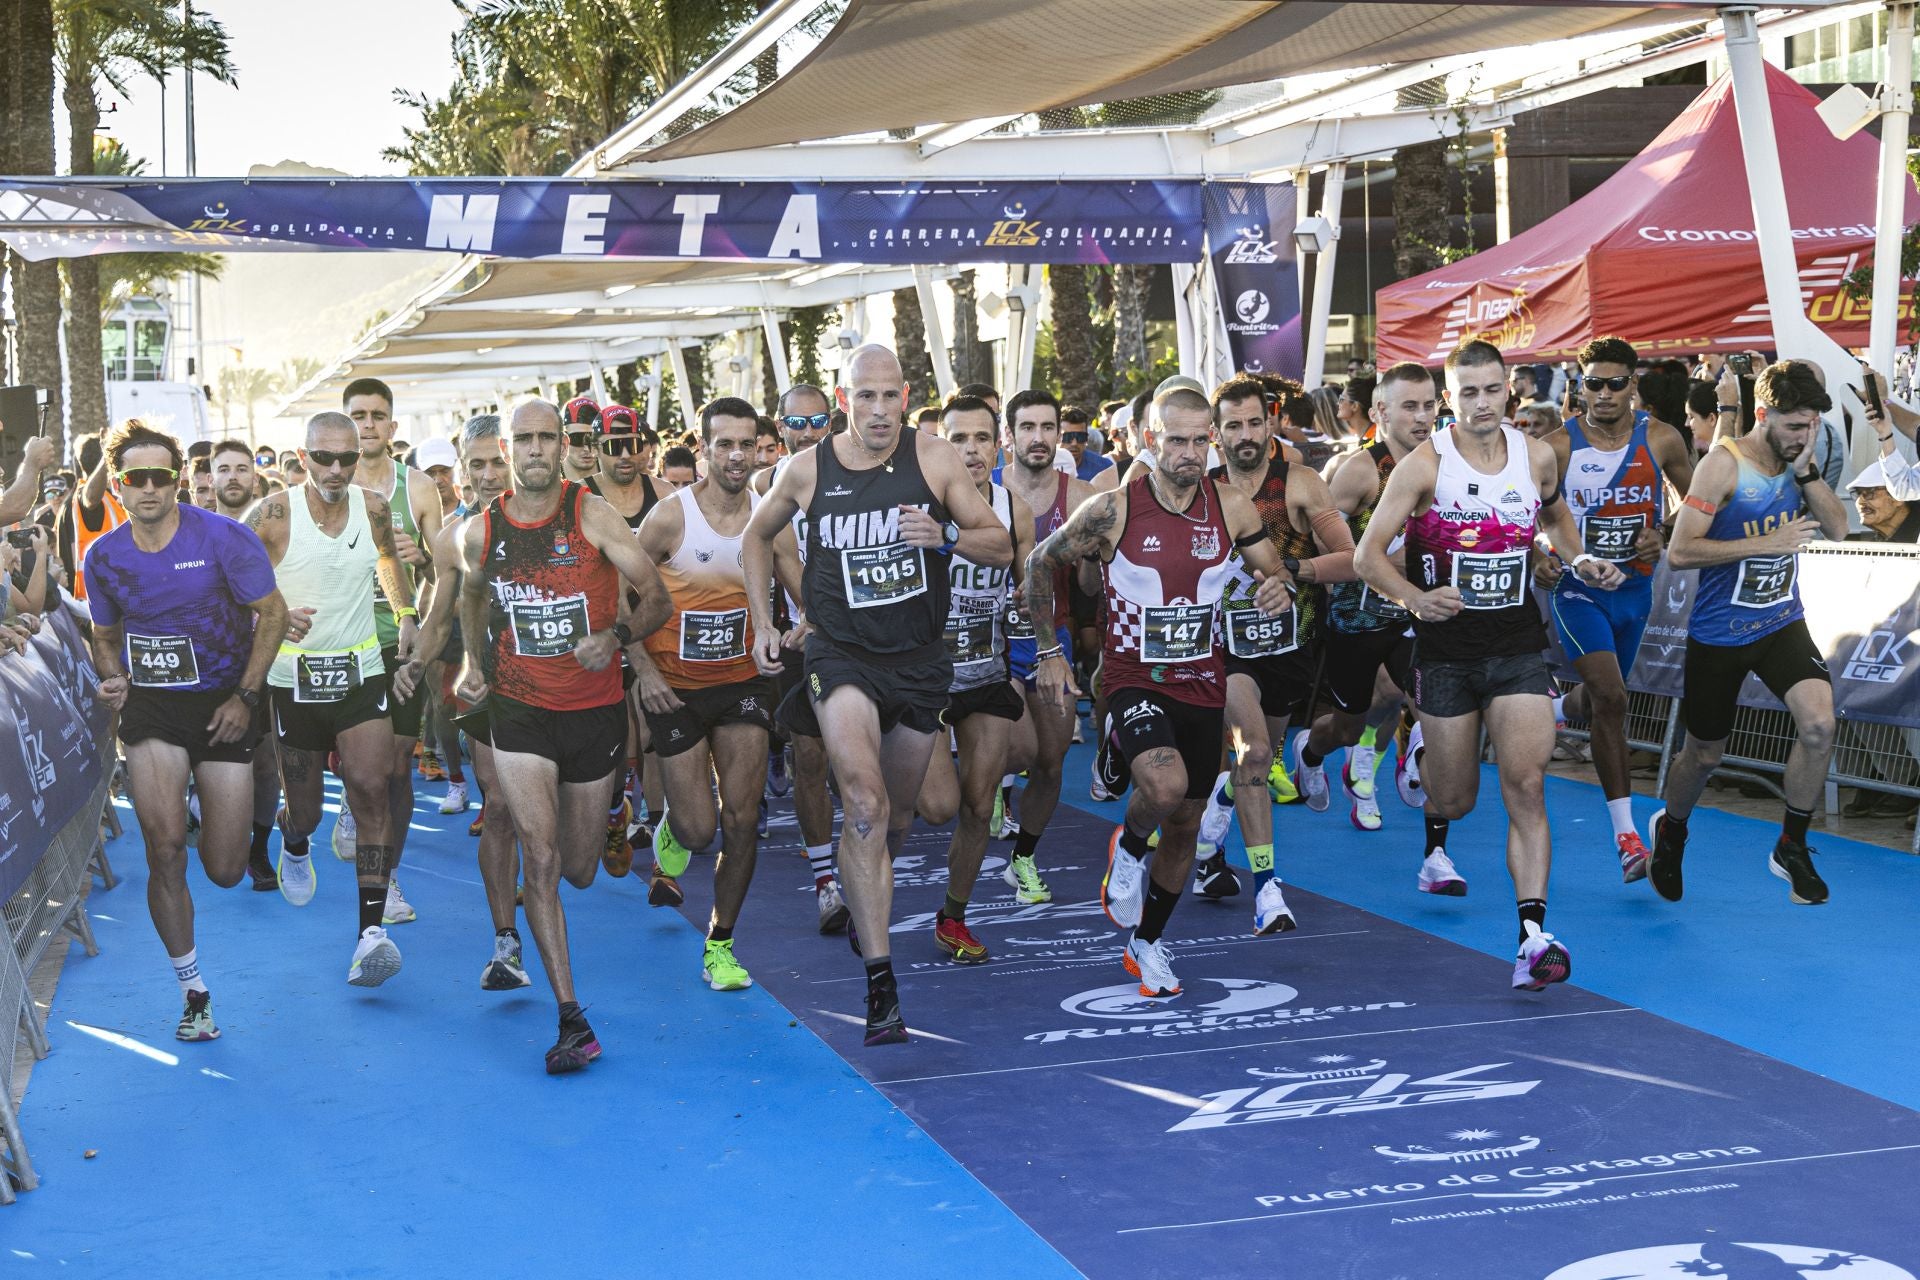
(20, 538)
(1741, 363)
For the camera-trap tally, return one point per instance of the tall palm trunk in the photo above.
(910, 341)
(1130, 286)
(36, 285)
(972, 358)
(1073, 334)
(86, 368)
(1420, 195)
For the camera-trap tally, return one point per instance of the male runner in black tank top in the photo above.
(885, 507)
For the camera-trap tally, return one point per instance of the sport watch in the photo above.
(622, 633)
(250, 697)
(950, 531)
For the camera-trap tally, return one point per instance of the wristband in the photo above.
(1056, 652)
(406, 611)
(1582, 558)
(1886, 437)
(1728, 408)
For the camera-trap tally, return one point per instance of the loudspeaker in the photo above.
(19, 422)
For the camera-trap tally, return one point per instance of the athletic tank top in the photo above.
(1475, 538)
(548, 589)
(866, 589)
(1281, 633)
(334, 577)
(1739, 603)
(799, 525)
(707, 641)
(1355, 606)
(1045, 524)
(1163, 589)
(400, 508)
(113, 516)
(976, 626)
(1614, 494)
(649, 499)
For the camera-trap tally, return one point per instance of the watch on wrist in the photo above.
(248, 696)
(1808, 478)
(950, 534)
(1292, 564)
(623, 633)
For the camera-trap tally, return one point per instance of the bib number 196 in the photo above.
(549, 628)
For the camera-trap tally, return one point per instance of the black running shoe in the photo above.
(884, 1023)
(1669, 846)
(1215, 878)
(575, 1049)
(260, 867)
(1793, 862)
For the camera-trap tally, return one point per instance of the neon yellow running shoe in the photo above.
(1153, 840)
(719, 969)
(669, 854)
(1279, 786)
(1024, 876)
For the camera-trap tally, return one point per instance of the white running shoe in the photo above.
(1310, 779)
(1124, 891)
(1406, 771)
(456, 801)
(1357, 777)
(375, 958)
(344, 834)
(1437, 875)
(1270, 914)
(505, 972)
(1024, 878)
(1542, 960)
(1153, 965)
(1098, 791)
(296, 877)
(834, 914)
(1365, 813)
(1217, 818)
(398, 910)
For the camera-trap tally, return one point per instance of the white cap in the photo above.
(436, 453)
(1123, 418)
(1872, 476)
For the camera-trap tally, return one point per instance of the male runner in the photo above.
(982, 706)
(1271, 661)
(1754, 504)
(1613, 465)
(878, 498)
(235, 482)
(414, 502)
(539, 601)
(329, 539)
(580, 417)
(707, 705)
(766, 444)
(1164, 541)
(186, 620)
(1471, 500)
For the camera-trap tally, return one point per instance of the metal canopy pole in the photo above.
(1896, 101)
(682, 390)
(594, 376)
(1186, 337)
(936, 331)
(776, 349)
(1029, 328)
(1765, 185)
(1314, 373)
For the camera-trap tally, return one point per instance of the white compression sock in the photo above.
(820, 856)
(1621, 814)
(186, 971)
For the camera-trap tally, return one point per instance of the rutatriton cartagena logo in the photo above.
(1210, 1006)
(1733, 1260)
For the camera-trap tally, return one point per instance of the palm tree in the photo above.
(972, 358)
(910, 341)
(1073, 334)
(28, 49)
(1130, 287)
(122, 275)
(244, 386)
(1421, 188)
(300, 370)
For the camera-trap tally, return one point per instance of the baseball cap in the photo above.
(580, 411)
(619, 420)
(1178, 382)
(435, 453)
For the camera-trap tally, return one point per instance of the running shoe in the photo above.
(196, 1023)
(1437, 875)
(1669, 847)
(1365, 812)
(1406, 770)
(430, 767)
(1541, 961)
(297, 881)
(1633, 857)
(1079, 731)
(834, 915)
(1008, 826)
(1112, 773)
(1152, 963)
(1793, 862)
(1357, 774)
(1213, 878)
(479, 823)
(260, 868)
(1270, 914)
(954, 938)
(576, 1047)
(375, 958)
(1217, 818)
(398, 910)
(1313, 778)
(1124, 888)
(505, 972)
(670, 857)
(1280, 787)
(761, 827)
(1024, 877)
(344, 834)
(719, 970)
(617, 856)
(1097, 790)
(456, 801)
(193, 819)
(779, 782)
(884, 1023)
(664, 890)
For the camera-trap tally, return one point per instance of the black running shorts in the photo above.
(1144, 719)
(180, 717)
(748, 702)
(1354, 658)
(994, 698)
(317, 726)
(1447, 689)
(406, 716)
(1715, 672)
(1285, 680)
(587, 745)
(913, 694)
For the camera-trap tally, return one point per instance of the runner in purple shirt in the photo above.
(186, 622)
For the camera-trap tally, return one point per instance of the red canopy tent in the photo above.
(1663, 253)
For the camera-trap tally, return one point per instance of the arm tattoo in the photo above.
(1081, 536)
(271, 509)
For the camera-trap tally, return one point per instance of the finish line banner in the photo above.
(884, 223)
(1250, 245)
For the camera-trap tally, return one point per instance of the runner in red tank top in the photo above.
(540, 591)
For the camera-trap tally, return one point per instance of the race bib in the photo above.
(1765, 580)
(970, 639)
(1177, 632)
(161, 662)
(1612, 537)
(884, 575)
(1490, 579)
(548, 628)
(1251, 634)
(1019, 625)
(713, 637)
(1379, 606)
(325, 677)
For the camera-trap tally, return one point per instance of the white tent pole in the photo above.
(653, 394)
(1336, 182)
(1029, 330)
(594, 376)
(776, 349)
(1897, 101)
(749, 346)
(1764, 182)
(936, 331)
(682, 390)
(1186, 338)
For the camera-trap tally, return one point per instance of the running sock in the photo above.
(1260, 858)
(1678, 824)
(1025, 843)
(1157, 910)
(1534, 909)
(373, 906)
(509, 931)
(1310, 758)
(571, 1014)
(1436, 832)
(880, 970)
(1133, 841)
(720, 933)
(261, 831)
(1621, 813)
(295, 848)
(186, 971)
(820, 857)
(955, 909)
(1367, 738)
(1794, 825)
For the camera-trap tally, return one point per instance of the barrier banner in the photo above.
(50, 755)
(1256, 278)
(891, 222)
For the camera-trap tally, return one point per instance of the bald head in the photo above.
(873, 364)
(332, 452)
(535, 445)
(321, 424)
(873, 391)
(536, 411)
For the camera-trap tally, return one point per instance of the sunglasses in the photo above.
(1612, 384)
(148, 478)
(580, 439)
(346, 459)
(1074, 437)
(810, 422)
(621, 446)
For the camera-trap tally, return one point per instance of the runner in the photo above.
(186, 620)
(878, 498)
(1164, 541)
(414, 502)
(328, 540)
(1271, 662)
(707, 705)
(1470, 501)
(982, 705)
(1613, 464)
(90, 514)
(580, 417)
(1754, 505)
(235, 481)
(539, 605)
(440, 756)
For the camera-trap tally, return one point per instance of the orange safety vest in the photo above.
(84, 537)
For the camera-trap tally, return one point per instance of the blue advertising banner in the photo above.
(886, 222)
(1250, 241)
(50, 754)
